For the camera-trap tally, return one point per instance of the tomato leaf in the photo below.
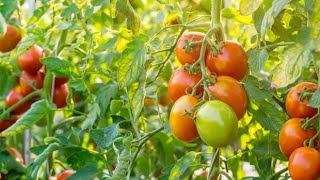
(315, 99)
(7, 8)
(104, 94)
(7, 81)
(8, 162)
(104, 137)
(37, 111)
(182, 165)
(72, 9)
(247, 7)
(3, 26)
(78, 157)
(232, 13)
(85, 173)
(91, 117)
(133, 20)
(257, 59)
(37, 14)
(59, 67)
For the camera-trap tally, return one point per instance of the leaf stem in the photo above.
(215, 152)
(275, 175)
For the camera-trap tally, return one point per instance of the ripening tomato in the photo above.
(60, 96)
(231, 61)
(230, 91)
(16, 154)
(297, 107)
(14, 96)
(188, 47)
(180, 82)
(217, 123)
(10, 39)
(60, 80)
(181, 122)
(304, 163)
(29, 82)
(30, 60)
(65, 174)
(292, 136)
(6, 123)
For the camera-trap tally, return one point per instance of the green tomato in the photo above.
(217, 123)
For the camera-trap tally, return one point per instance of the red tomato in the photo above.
(10, 39)
(304, 164)
(180, 82)
(231, 61)
(5, 124)
(297, 108)
(14, 96)
(60, 80)
(231, 92)
(189, 54)
(29, 81)
(16, 154)
(30, 60)
(182, 125)
(60, 96)
(292, 136)
(65, 174)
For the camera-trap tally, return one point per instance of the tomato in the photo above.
(231, 61)
(299, 108)
(182, 124)
(180, 82)
(16, 154)
(10, 39)
(217, 123)
(60, 96)
(292, 136)
(30, 60)
(65, 174)
(230, 91)
(163, 97)
(14, 96)
(149, 102)
(304, 163)
(5, 124)
(189, 54)
(60, 80)
(29, 81)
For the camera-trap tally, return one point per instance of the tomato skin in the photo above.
(217, 123)
(58, 81)
(30, 60)
(292, 136)
(182, 125)
(304, 163)
(180, 81)
(10, 39)
(185, 57)
(65, 174)
(295, 107)
(231, 61)
(6, 123)
(60, 96)
(27, 80)
(14, 96)
(230, 91)
(16, 154)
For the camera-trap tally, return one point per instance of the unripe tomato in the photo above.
(230, 91)
(16, 154)
(292, 136)
(60, 80)
(65, 174)
(217, 123)
(5, 124)
(296, 107)
(30, 60)
(60, 96)
(231, 61)
(181, 122)
(185, 53)
(14, 96)
(10, 39)
(180, 82)
(29, 81)
(304, 163)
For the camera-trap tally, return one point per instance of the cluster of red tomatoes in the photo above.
(215, 121)
(304, 162)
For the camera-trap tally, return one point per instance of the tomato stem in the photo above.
(308, 122)
(311, 141)
(225, 174)
(215, 156)
(216, 6)
(277, 174)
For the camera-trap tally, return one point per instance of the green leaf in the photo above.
(257, 59)
(91, 117)
(315, 99)
(78, 157)
(10, 162)
(104, 94)
(104, 137)
(247, 7)
(26, 43)
(231, 13)
(59, 67)
(269, 16)
(3, 26)
(131, 63)
(85, 173)
(294, 59)
(7, 81)
(182, 165)
(37, 111)
(138, 100)
(7, 8)
(37, 14)
(72, 9)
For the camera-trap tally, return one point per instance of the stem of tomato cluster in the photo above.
(215, 158)
(277, 174)
(216, 6)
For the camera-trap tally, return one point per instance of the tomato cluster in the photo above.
(215, 121)
(304, 162)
